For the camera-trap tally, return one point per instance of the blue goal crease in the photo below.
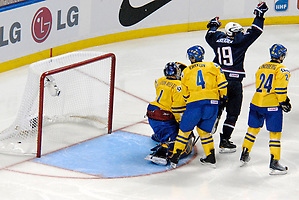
(120, 154)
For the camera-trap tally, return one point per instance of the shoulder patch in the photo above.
(285, 70)
(178, 88)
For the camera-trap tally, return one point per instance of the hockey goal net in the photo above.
(67, 99)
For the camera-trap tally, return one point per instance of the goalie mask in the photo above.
(232, 28)
(171, 69)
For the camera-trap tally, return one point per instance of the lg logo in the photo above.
(42, 22)
(72, 18)
(14, 34)
(41, 26)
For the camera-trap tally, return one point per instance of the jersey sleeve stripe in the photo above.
(220, 85)
(178, 111)
(176, 108)
(257, 27)
(281, 88)
(281, 92)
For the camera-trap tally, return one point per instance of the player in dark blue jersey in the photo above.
(230, 48)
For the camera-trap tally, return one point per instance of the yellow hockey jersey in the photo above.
(271, 85)
(169, 96)
(203, 80)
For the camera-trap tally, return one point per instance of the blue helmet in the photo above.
(278, 50)
(196, 52)
(171, 69)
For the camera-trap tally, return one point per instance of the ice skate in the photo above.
(209, 160)
(174, 160)
(227, 146)
(245, 158)
(159, 157)
(276, 168)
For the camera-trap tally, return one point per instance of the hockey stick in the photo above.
(217, 120)
(195, 140)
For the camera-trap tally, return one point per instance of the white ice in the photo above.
(139, 63)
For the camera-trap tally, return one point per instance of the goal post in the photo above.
(67, 99)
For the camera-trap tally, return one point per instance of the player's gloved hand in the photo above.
(222, 104)
(286, 105)
(260, 9)
(214, 23)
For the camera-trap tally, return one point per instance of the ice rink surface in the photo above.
(139, 63)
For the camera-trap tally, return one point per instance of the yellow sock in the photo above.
(274, 144)
(250, 138)
(181, 141)
(206, 141)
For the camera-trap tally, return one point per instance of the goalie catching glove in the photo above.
(214, 23)
(286, 105)
(260, 9)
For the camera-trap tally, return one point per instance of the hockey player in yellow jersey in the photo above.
(203, 86)
(267, 104)
(164, 114)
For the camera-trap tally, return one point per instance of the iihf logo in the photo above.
(281, 5)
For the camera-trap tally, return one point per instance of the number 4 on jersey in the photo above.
(200, 81)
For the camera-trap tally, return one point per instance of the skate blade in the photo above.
(227, 150)
(173, 165)
(277, 172)
(156, 160)
(243, 163)
(210, 165)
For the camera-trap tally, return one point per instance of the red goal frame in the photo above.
(68, 67)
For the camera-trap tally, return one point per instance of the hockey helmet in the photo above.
(171, 69)
(278, 50)
(232, 28)
(196, 52)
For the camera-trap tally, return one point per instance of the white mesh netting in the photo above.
(78, 97)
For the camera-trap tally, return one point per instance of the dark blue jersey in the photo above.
(230, 52)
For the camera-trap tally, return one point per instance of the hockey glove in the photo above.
(260, 9)
(286, 105)
(222, 104)
(214, 23)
